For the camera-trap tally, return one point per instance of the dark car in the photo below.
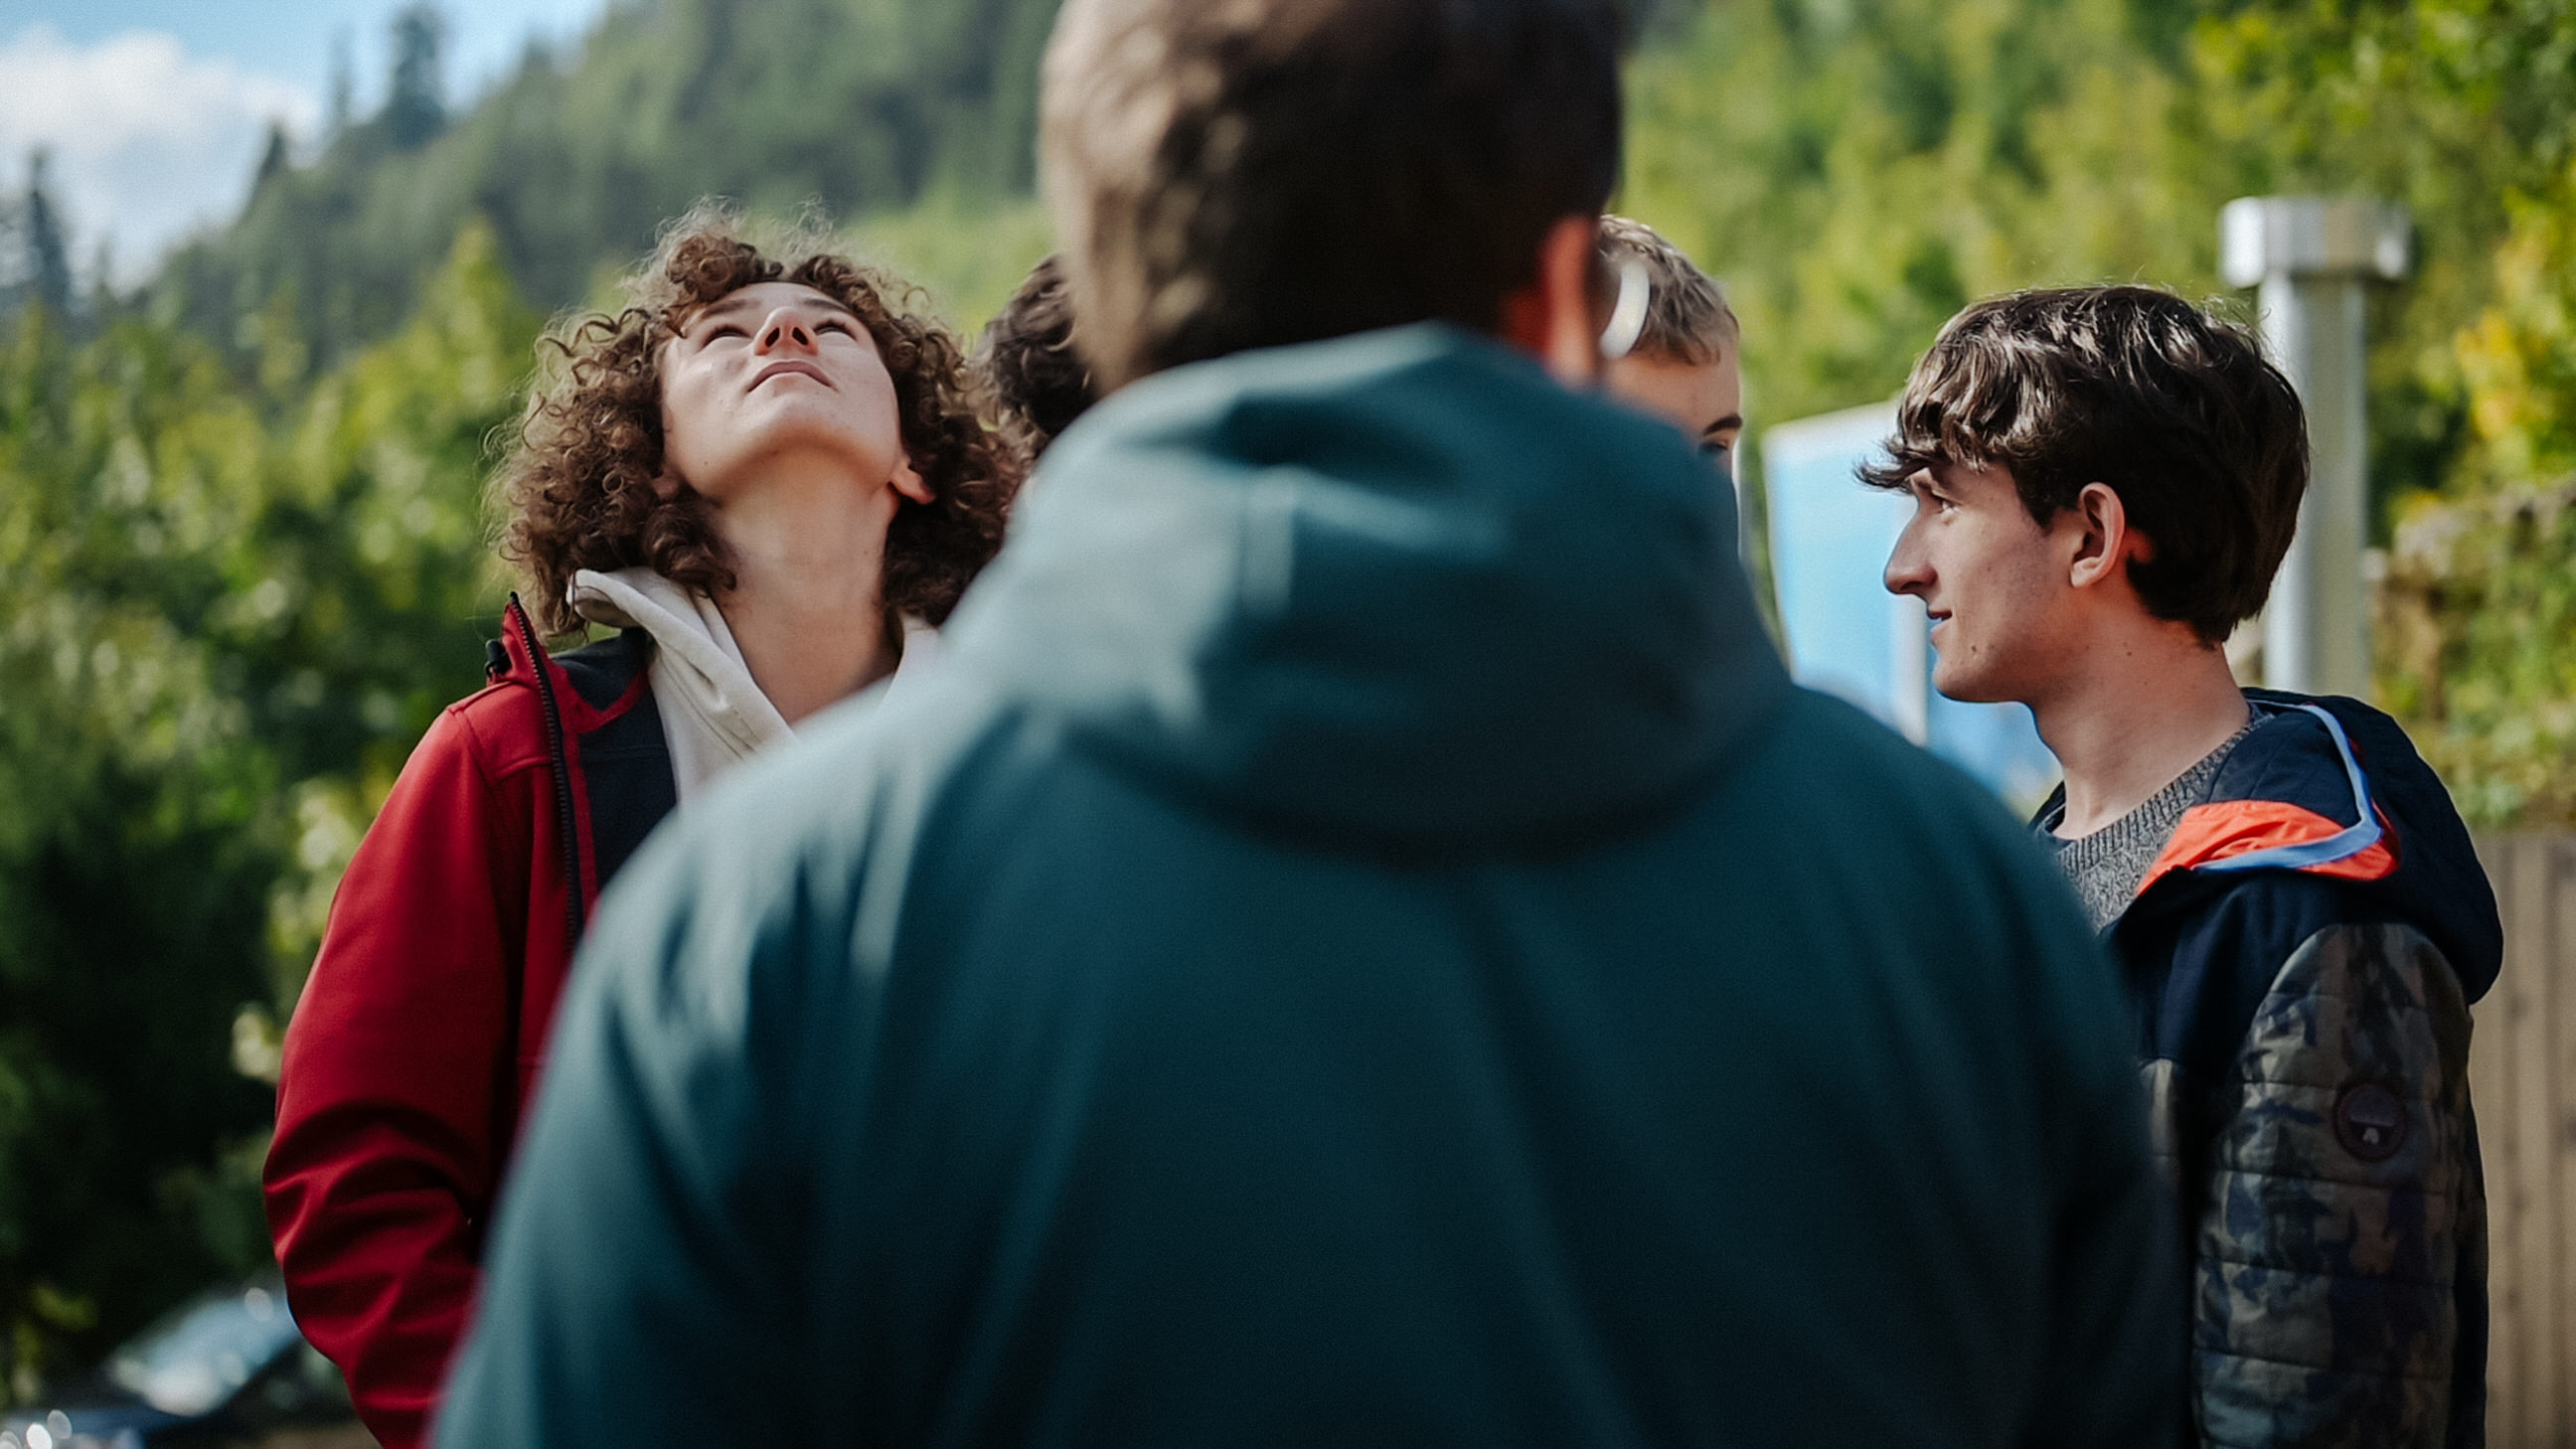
(225, 1370)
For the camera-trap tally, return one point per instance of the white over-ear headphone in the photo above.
(1628, 314)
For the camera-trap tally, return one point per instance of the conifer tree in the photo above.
(343, 85)
(46, 266)
(273, 159)
(416, 111)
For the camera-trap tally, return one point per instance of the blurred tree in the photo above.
(273, 158)
(376, 583)
(224, 617)
(967, 256)
(133, 858)
(416, 105)
(49, 257)
(2460, 108)
(863, 106)
(344, 86)
(1858, 172)
(2479, 613)
(41, 270)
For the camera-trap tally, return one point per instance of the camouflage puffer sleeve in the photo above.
(2345, 1222)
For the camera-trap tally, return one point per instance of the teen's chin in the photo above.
(805, 414)
(1967, 686)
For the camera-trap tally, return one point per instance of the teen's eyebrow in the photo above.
(1731, 420)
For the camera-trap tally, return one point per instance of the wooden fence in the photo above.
(2522, 1080)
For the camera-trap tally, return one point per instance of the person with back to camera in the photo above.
(1360, 942)
(772, 483)
(2105, 480)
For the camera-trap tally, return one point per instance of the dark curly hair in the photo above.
(579, 478)
(1028, 361)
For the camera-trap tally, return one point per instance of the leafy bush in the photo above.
(224, 617)
(2479, 616)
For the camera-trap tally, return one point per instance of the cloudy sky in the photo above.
(154, 111)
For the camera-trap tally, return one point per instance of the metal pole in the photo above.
(2311, 256)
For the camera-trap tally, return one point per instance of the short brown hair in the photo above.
(1687, 319)
(1027, 358)
(579, 478)
(2171, 407)
(1267, 172)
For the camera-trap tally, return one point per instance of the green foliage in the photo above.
(414, 110)
(858, 105)
(968, 256)
(377, 583)
(132, 868)
(224, 617)
(2479, 618)
(35, 256)
(1858, 172)
(2460, 108)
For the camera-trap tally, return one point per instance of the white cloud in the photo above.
(149, 142)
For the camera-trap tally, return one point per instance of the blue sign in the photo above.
(1848, 636)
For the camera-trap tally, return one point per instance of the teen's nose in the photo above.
(786, 328)
(1909, 570)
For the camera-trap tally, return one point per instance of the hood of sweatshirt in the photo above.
(1401, 588)
(714, 715)
(2332, 788)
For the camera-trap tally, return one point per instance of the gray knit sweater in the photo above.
(2107, 866)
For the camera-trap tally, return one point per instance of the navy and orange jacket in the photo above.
(422, 1028)
(2305, 950)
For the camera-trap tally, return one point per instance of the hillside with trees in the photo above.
(576, 159)
(244, 544)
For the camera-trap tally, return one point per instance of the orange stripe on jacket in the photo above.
(2241, 827)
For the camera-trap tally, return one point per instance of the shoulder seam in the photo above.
(477, 749)
(465, 710)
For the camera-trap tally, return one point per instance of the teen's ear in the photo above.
(1555, 317)
(907, 480)
(2106, 545)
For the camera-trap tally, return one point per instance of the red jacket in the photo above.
(421, 1031)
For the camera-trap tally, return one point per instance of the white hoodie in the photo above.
(713, 714)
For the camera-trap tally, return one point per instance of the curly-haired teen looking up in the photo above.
(772, 482)
(778, 411)
(771, 436)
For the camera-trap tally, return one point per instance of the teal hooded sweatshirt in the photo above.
(1360, 943)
